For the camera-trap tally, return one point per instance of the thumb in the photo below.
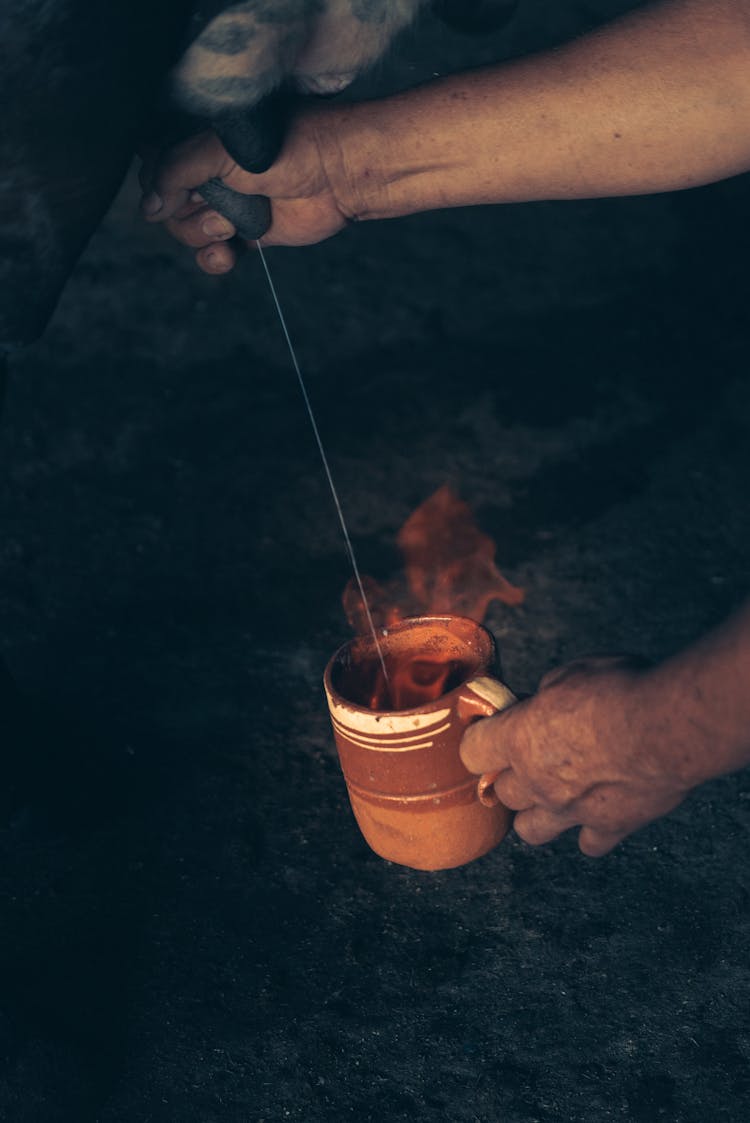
(486, 743)
(183, 168)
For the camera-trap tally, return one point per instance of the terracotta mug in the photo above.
(398, 740)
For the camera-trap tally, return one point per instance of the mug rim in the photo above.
(339, 699)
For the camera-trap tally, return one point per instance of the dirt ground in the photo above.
(193, 929)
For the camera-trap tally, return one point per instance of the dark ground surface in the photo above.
(193, 930)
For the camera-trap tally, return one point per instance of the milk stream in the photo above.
(324, 458)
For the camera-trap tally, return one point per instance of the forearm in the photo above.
(696, 706)
(657, 101)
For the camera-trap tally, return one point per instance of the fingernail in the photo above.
(217, 227)
(152, 203)
(196, 197)
(216, 263)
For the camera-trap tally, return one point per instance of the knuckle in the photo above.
(511, 796)
(560, 797)
(537, 826)
(524, 831)
(596, 843)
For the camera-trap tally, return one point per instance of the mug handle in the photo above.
(482, 697)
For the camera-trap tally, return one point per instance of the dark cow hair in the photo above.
(475, 17)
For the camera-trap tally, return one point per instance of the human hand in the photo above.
(589, 749)
(305, 208)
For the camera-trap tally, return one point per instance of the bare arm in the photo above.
(656, 101)
(609, 747)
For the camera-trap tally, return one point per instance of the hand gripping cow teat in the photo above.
(245, 60)
(253, 138)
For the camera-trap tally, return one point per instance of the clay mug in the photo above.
(398, 744)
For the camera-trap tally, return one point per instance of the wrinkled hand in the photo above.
(304, 207)
(585, 750)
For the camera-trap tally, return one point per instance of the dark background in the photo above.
(192, 928)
